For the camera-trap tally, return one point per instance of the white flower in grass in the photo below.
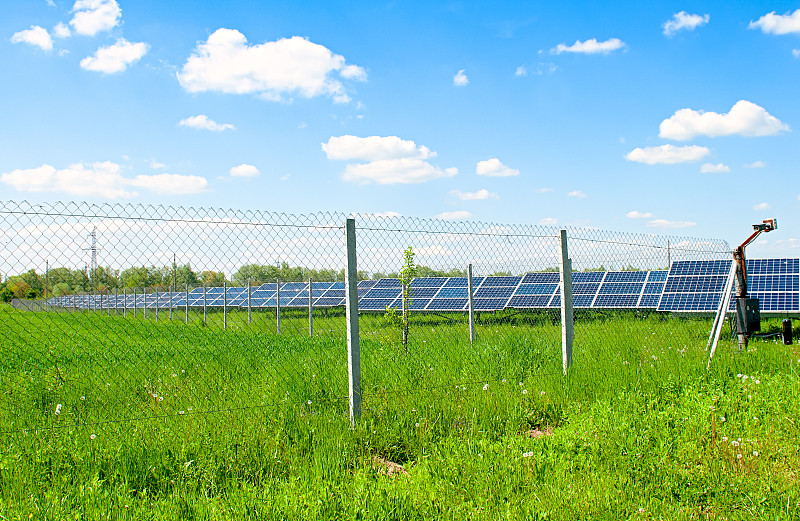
(755, 453)
(181, 412)
(83, 398)
(527, 454)
(739, 375)
(722, 418)
(744, 377)
(758, 382)
(309, 402)
(541, 393)
(486, 387)
(92, 436)
(524, 391)
(724, 438)
(160, 398)
(739, 456)
(58, 409)
(735, 443)
(504, 380)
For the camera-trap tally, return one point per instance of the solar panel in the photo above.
(448, 293)
(626, 276)
(447, 304)
(494, 292)
(501, 281)
(616, 301)
(529, 301)
(536, 289)
(428, 282)
(588, 276)
(376, 304)
(694, 286)
(541, 278)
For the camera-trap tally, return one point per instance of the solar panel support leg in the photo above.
(471, 306)
(567, 326)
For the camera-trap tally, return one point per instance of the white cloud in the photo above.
(492, 167)
(170, 184)
(544, 190)
(762, 206)
(272, 70)
(384, 215)
(667, 154)
(460, 79)
(663, 223)
(61, 30)
(474, 196)
(548, 221)
(453, 216)
(591, 46)
(711, 168)
(244, 170)
(93, 16)
(796, 53)
(744, 119)
(36, 36)
(777, 23)
(755, 164)
(102, 179)
(374, 148)
(576, 193)
(115, 58)
(203, 122)
(156, 165)
(395, 171)
(521, 71)
(684, 21)
(634, 214)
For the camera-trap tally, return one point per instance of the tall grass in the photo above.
(173, 421)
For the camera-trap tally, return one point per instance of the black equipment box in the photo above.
(748, 315)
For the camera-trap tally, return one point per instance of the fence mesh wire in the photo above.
(127, 312)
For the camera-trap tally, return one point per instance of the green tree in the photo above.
(406, 276)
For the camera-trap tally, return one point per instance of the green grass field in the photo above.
(112, 417)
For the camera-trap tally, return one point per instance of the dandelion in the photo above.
(486, 387)
(524, 391)
(58, 409)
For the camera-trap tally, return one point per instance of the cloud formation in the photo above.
(271, 70)
(374, 148)
(667, 154)
(755, 164)
(453, 216)
(711, 168)
(203, 122)
(115, 58)
(577, 193)
(684, 21)
(761, 206)
(102, 179)
(244, 170)
(94, 16)
(591, 46)
(460, 79)
(480, 195)
(744, 119)
(548, 221)
(385, 160)
(36, 36)
(634, 214)
(663, 223)
(772, 23)
(493, 167)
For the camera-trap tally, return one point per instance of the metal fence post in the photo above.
(278, 306)
(205, 302)
(471, 307)
(310, 307)
(351, 312)
(187, 303)
(249, 297)
(224, 305)
(567, 329)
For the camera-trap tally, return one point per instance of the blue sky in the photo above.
(665, 118)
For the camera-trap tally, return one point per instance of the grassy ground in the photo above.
(163, 420)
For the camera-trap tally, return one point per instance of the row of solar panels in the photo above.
(689, 286)
(698, 286)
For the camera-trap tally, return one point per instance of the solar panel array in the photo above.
(697, 286)
(689, 286)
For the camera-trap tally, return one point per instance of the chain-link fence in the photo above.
(119, 313)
